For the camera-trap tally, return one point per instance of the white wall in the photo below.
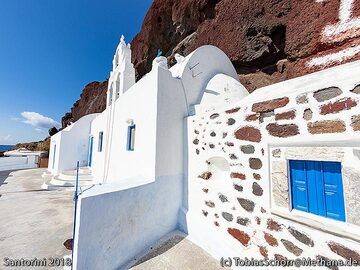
(72, 145)
(16, 163)
(99, 124)
(116, 222)
(138, 104)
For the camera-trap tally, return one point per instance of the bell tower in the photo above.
(122, 76)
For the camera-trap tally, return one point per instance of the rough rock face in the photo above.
(35, 146)
(92, 100)
(267, 41)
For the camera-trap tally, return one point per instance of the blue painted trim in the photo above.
(130, 138)
(91, 143)
(100, 143)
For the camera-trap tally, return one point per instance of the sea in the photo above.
(4, 147)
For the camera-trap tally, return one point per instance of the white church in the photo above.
(270, 175)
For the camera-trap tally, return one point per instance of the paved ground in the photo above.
(176, 252)
(34, 223)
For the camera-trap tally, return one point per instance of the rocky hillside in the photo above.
(92, 100)
(35, 146)
(267, 40)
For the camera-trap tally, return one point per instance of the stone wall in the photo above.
(230, 175)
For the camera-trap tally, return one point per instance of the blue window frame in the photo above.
(316, 187)
(91, 143)
(100, 143)
(131, 138)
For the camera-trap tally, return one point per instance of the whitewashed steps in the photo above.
(67, 179)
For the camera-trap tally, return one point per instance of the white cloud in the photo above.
(38, 120)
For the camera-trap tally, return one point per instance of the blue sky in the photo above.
(49, 50)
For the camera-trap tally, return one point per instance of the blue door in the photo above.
(316, 187)
(54, 156)
(91, 142)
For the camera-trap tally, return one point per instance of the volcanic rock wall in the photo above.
(267, 41)
(238, 173)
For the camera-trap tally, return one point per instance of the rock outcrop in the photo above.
(267, 41)
(35, 146)
(92, 100)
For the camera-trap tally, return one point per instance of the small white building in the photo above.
(272, 174)
(20, 159)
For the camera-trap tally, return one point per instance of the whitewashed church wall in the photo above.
(72, 145)
(232, 208)
(136, 106)
(99, 124)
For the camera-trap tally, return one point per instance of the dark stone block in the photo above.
(291, 247)
(302, 237)
(205, 175)
(246, 204)
(252, 117)
(237, 175)
(210, 204)
(256, 176)
(282, 131)
(223, 198)
(271, 240)
(243, 221)
(196, 141)
(327, 93)
(227, 216)
(232, 156)
(285, 115)
(231, 121)
(238, 188)
(255, 163)
(272, 225)
(263, 251)
(270, 105)
(248, 134)
(241, 236)
(232, 110)
(247, 149)
(257, 190)
(343, 251)
(338, 106)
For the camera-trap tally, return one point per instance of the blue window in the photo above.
(316, 187)
(131, 138)
(100, 144)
